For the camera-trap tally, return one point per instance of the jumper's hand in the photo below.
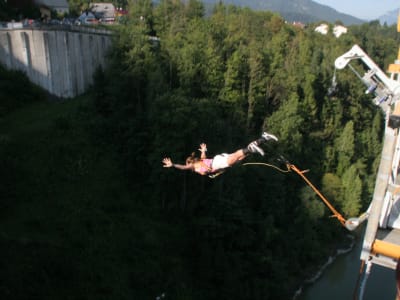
(167, 162)
(203, 147)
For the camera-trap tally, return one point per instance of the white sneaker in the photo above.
(267, 136)
(253, 148)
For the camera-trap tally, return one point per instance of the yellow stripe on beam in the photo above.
(394, 68)
(385, 248)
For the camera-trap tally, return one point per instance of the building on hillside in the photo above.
(323, 28)
(299, 24)
(338, 30)
(104, 12)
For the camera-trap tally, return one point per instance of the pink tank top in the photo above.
(205, 166)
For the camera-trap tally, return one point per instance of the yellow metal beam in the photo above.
(385, 248)
(398, 23)
(394, 68)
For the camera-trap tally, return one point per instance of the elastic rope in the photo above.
(268, 165)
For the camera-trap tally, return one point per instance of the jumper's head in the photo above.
(192, 159)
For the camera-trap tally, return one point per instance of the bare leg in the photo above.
(242, 153)
(236, 156)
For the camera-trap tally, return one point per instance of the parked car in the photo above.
(90, 21)
(67, 21)
(54, 22)
(13, 24)
(87, 18)
(107, 20)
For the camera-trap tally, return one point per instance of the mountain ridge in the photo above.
(390, 17)
(306, 11)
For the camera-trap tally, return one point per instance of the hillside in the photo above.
(306, 11)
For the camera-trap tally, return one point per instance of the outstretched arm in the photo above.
(203, 150)
(169, 164)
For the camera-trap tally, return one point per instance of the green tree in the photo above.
(76, 7)
(258, 74)
(331, 187)
(141, 15)
(345, 148)
(351, 192)
(235, 86)
(312, 204)
(288, 122)
(194, 9)
(169, 17)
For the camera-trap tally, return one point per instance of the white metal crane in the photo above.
(387, 90)
(381, 243)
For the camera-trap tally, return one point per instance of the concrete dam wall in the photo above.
(60, 59)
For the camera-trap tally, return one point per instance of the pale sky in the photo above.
(363, 9)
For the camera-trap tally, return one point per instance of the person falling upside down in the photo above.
(217, 164)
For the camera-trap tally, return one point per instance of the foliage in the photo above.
(17, 91)
(312, 203)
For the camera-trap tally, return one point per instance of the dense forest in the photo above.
(88, 211)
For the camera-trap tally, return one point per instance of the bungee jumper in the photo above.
(215, 166)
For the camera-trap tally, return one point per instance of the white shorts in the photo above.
(220, 161)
